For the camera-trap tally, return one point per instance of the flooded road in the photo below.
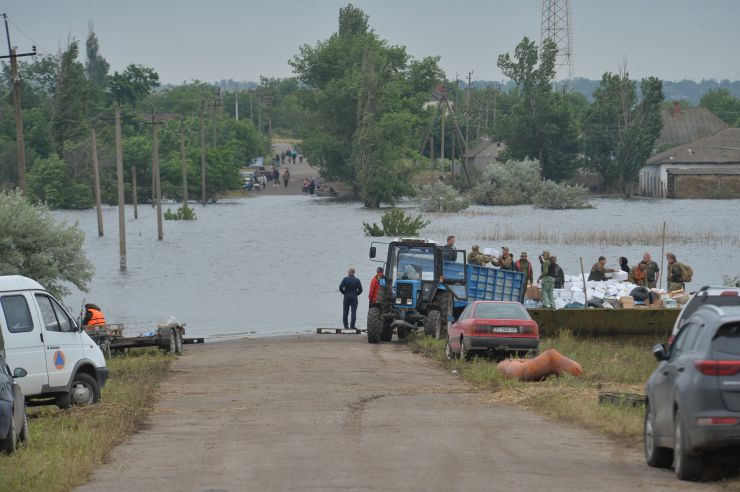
(267, 265)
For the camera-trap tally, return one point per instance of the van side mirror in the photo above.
(19, 372)
(660, 352)
(373, 252)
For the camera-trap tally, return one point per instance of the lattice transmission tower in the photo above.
(556, 26)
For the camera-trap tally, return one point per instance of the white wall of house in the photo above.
(654, 177)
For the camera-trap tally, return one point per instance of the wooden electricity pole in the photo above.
(442, 140)
(16, 82)
(133, 191)
(157, 184)
(183, 164)
(202, 155)
(121, 196)
(96, 183)
(467, 108)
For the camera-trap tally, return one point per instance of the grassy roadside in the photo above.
(67, 445)
(619, 366)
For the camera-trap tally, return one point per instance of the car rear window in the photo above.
(727, 339)
(501, 311)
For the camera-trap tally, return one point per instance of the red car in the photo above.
(493, 328)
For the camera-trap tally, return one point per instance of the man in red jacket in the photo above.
(377, 281)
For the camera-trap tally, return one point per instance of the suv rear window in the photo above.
(727, 339)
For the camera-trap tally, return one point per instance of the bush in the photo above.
(440, 197)
(520, 183)
(557, 196)
(512, 183)
(396, 223)
(49, 182)
(33, 244)
(183, 213)
(730, 281)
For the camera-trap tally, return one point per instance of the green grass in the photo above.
(614, 365)
(66, 445)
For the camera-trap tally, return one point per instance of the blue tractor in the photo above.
(425, 287)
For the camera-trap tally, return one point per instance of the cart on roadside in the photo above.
(168, 337)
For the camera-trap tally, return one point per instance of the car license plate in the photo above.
(505, 329)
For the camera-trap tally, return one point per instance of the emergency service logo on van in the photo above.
(59, 359)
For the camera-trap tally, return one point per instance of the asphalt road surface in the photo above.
(329, 412)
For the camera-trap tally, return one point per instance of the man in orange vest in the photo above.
(93, 316)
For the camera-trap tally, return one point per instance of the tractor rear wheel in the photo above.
(386, 334)
(374, 325)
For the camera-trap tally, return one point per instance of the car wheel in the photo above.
(172, 348)
(8, 445)
(431, 327)
(23, 437)
(686, 465)
(178, 342)
(464, 354)
(448, 352)
(84, 390)
(373, 325)
(655, 455)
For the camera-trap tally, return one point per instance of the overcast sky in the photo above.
(243, 39)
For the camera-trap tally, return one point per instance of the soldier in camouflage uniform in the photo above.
(675, 276)
(478, 258)
(505, 261)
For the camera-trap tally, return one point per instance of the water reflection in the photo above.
(272, 264)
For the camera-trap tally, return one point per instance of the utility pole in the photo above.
(251, 114)
(121, 196)
(16, 86)
(467, 108)
(202, 154)
(214, 112)
(157, 183)
(236, 105)
(133, 191)
(259, 113)
(184, 163)
(96, 183)
(442, 138)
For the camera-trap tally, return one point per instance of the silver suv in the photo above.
(714, 295)
(693, 398)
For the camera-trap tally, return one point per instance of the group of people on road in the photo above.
(290, 156)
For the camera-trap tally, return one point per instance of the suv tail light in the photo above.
(718, 367)
(707, 421)
(729, 293)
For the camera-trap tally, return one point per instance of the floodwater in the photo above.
(268, 265)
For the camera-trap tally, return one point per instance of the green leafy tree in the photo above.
(96, 66)
(49, 182)
(133, 84)
(619, 130)
(722, 103)
(365, 99)
(541, 125)
(33, 244)
(70, 103)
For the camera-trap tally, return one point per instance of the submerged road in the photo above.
(333, 412)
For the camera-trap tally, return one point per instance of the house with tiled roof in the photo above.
(684, 125)
(708, 167)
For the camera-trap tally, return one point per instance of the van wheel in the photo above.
(84, 390)
(178, 342)
(8, 444)
(23, 436)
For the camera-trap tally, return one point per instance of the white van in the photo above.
(63, 365)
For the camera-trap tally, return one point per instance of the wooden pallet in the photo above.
(339, 331)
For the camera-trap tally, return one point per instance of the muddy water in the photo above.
(272, 264)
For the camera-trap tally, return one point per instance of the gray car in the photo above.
(693, 398)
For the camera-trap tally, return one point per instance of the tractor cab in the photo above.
(424, 283)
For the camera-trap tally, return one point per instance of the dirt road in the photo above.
(327, 412)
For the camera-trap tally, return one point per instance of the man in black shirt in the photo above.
(351, 288)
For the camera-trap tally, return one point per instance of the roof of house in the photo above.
(721, 148)
(683, 125)
(705, 171)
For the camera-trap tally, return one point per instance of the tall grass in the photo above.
(66, 445)
(620, 366)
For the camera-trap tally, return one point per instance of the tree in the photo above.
(69, 109)
(619, 131)
(50, 182)
(722, 103)
(96, 66)
(133, 84)
(541, 125)
(366, 101)
(33, 244)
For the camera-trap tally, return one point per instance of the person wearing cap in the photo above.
(505, 261)
(376, 283)
(93, 316)
(478, 258)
